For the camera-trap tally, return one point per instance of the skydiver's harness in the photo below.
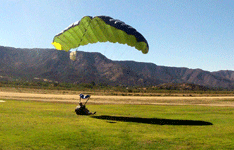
(82, 110)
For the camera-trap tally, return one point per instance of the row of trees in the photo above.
(165, 88)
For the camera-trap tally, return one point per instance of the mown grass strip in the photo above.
(41, 125)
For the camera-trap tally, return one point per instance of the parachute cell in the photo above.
(99, 29)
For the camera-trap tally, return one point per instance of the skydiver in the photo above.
(81, 109)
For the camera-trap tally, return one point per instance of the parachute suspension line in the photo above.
(122, 53)
(119, 48)
(116, 58)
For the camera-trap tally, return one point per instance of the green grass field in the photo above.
(40, 125)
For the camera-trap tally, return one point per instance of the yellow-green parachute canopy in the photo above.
(99, 29)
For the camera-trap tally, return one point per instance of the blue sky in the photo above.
(180, 33)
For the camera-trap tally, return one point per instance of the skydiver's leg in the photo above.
(88, 112)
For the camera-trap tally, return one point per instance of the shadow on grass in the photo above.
(156, 121)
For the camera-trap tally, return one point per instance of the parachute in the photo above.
(99, 29)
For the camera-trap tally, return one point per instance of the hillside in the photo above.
(50, 64)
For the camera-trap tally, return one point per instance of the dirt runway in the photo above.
(138, 100)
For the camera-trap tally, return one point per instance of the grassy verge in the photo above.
(40, 125)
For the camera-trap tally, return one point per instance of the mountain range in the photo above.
(53, 65)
